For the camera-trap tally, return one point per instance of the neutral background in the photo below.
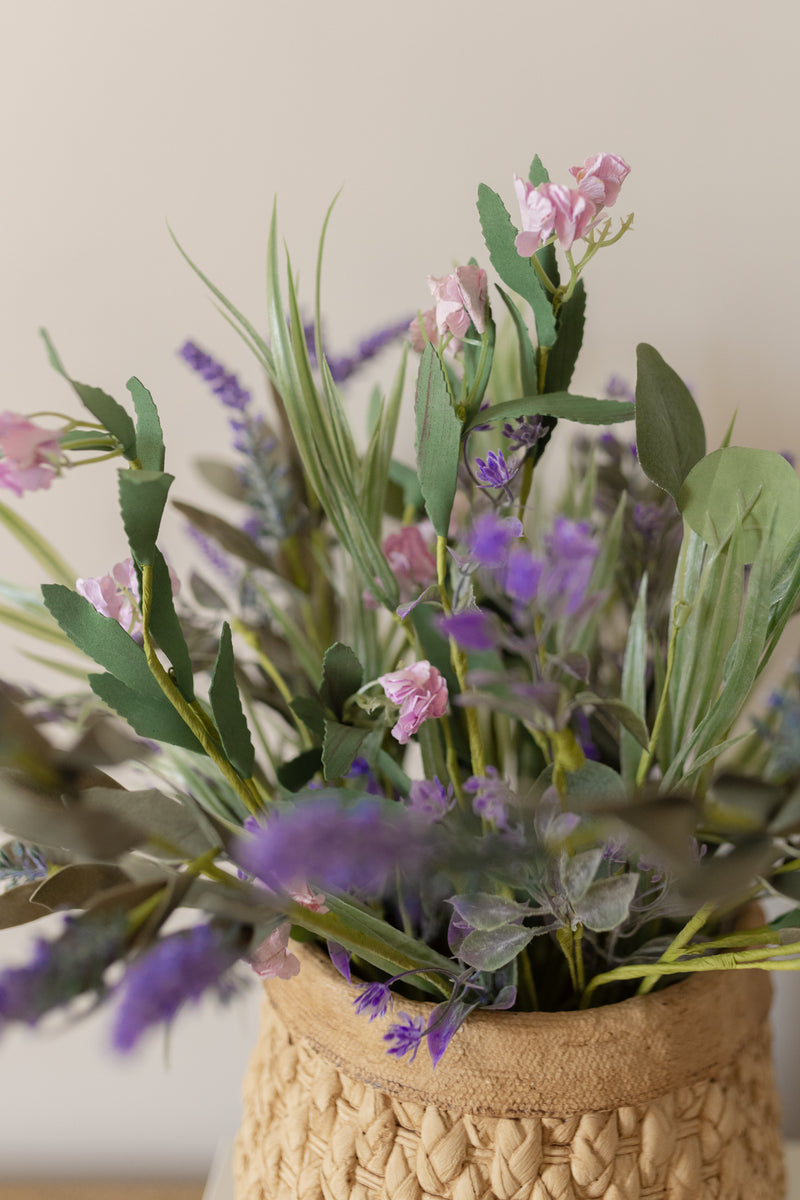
(117, 118)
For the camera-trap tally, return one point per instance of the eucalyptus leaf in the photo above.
(226, 705)
(75, 884)
(606, 904)
(670, 438)
(234, 541)
(222, 476)
(491, 949)
(438, 441)
(149, 435)
(172, 829)
(51, 821)
(17, 906)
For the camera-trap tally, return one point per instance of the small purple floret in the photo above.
(490, 538)
(405, 1036)
(494, 471)
(470, 629)
(374, 999)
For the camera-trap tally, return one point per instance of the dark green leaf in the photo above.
(311, 712)
(527, 354)
(564, 354)
(406, 479)
(165, 627)
(438, 441)
(234, 540)
(149, 716)
(107, 411)
(295, 774)
(537, 174)
(515, 271)
(102, 638)
(342, 676)
(205, 594)
(142, 497)
(340, 746)
(226, 706)
(789, 920)
(586, 410)
(77, 883)
(670, 437)
(17, 907)
(149, 435)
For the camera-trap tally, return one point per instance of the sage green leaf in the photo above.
(491, 949)
(606, 904)
(148, 715)
(670, 437)
(17, 907)
(77, 883)
(165, 627)
(516, 271)
(295, 774)
(342, 676)
(527, 355)
(564, 353)
(149, 435)
(340, 746)
(52, 821)
(226, 706)
(484, 910)
(741, 486)
(438, 441)
(578, 871)
(125, 897)
(102, 638)
(222, 477)
(142, 497)
(171, 830)
(633, 691)
(234, 540)
(593, 788)
(586, 410)
(108, 412)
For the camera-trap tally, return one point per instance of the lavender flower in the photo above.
(342, 368)
(375, 999)
(494, 471)
(490, 538)
(492, 797)
(21, 864)
(526, 434)
(471, 629)
(224, 383)
(405, 1036)
(180, 967)
(430, 799)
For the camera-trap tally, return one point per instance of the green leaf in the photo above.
(491, 949)
(342, 676)
(438, 441)
(17, 907)
(515, 271)
(633, 692)
(50, 820)
(670, 437)
(406, 479)
(340, 746)
(77, 883)
(165, 627)
(222, 477)
(149, 435)
(594, 787)
(142, 497)
(295, 774)
(149, 716)
(569, 339)
(108, 412)
(527, 354)
(744, 487)
(234, 540)
(606, 904)
(311, 712)
(172, 829)
(102, 638)
(226, 706)
(586, 410)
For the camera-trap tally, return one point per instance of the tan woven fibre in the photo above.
(684, 1104)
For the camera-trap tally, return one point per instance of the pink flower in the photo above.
(420, 691)
(574, 214)
(31, 455)
(537, 214)
(431, 334)
(460, 299)
(601, 177)
(116, 595)
(272, 959)
(412, 563)
(301, 893)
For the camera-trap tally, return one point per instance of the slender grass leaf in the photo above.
(438, 441)
(226, 705)
(515, 270)
(149, 716)
(165, 627)
(670, 437)
(342, 676)
(586, 410)
(103, 407)
(634, 683)
(741, 486)
(35, 626)
(38, 547)
(149, 435)
(142, 497)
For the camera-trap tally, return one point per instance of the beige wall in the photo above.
(118, 117)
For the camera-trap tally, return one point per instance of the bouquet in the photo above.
(476, 728)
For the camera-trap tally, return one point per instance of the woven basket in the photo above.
(669, 1096)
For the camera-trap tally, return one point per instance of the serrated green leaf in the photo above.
(108, 412)
(340, 746)
(564, 353)
(586, 410)
(670, 437)
(149, 716)
(342, 676)
(311, 712)
(634, 675)
(142, 497)
(438, 441)
(101, 638)
(165, 627)
(295, 774)
(515, 271)
(226, 706)
(149, 435)
(744, 487)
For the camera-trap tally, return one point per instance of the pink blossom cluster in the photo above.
(412, 563)
(460, 301)
(569, 213)
(420, 691)
(116, 595)
(31, 455)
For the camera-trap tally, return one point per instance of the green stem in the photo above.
(647, 755)
(460, 665)
(681, 939)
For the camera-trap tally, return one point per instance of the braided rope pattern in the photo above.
(312, 1132)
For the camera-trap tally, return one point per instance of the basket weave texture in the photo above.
(670, 1096)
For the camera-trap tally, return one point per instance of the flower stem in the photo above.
(692, 926)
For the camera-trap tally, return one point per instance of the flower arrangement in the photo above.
(474, 730)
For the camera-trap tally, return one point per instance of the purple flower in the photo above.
(471, 629)
(430, 799)
(374, 999)
(523, 575)
(490, 538)
(494, 471)
(405, 1036)
(180, 967)
(527, 433)
(618, 388)
(224, 383)
(345, 366)
(334, 845)
(492, 797)
(362, 774)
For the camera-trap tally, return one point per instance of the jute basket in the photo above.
(669, 1096)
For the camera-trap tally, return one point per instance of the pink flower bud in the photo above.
(460, 299)
(31, 455)
(412, 563)
(574, 214)
(420, 691)
(418, 338)
(537, 214)
(600, 178)
(272, 959)
(116, 595)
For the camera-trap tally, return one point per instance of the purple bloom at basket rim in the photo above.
(405, 1036)
(374, 999)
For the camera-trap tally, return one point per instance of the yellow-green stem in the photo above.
(459, 661)
(681, 939)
